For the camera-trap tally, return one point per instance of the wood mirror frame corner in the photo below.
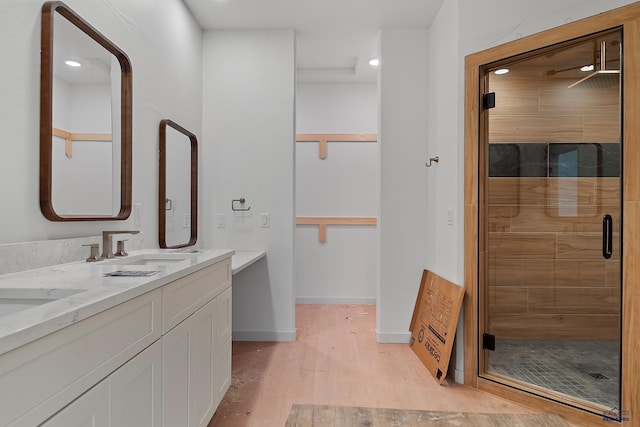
(162, 196)
(49, 9)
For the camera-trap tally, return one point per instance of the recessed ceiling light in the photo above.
(73, 63)
(587, 68)
(374, 62)
(502, 71)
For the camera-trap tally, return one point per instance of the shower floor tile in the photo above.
(585, 369)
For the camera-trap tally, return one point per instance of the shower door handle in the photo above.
(607, 236)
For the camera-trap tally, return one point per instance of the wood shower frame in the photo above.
(628, 20)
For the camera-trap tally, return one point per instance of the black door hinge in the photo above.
(489, 100)
(489, 342)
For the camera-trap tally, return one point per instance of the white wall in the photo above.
(519, 18)
(249, 143)
(342, 270)
(444, 180)
(336, 108)
(403, 137)
(163, 43)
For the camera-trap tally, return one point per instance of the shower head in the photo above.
(602, 78)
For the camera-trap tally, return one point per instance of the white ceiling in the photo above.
(334, 38)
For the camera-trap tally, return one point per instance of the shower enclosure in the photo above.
(550, 219)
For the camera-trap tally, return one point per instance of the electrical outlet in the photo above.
(186, 223)
(265, 220)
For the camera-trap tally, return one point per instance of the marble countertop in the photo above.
(97, 292)
(243, 259)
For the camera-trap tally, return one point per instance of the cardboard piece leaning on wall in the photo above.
(434, 321)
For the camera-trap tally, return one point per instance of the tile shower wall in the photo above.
(546, 268)
(546, 196)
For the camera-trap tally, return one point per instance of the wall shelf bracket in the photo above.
(323, 221)
(323, 138)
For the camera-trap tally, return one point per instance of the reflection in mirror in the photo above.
(178, 197)
(85, 121)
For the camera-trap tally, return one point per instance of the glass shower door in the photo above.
(550, 191)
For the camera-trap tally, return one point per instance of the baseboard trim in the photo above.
(335, 301)
(393, 337)
(263, 336)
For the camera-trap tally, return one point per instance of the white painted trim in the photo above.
(458, 376)
(264, 336)
(339, 300)
(393, 337)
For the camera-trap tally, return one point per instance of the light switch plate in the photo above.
(450, 216)
(220, 220)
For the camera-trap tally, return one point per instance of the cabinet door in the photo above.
(223, 317)
(222, 371)
(175, 376)
(130, 397)
(203, 330)
(135, 391)
(89, 410)
(222, 368)
(189, 396)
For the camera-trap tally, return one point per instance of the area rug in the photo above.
(344, 416)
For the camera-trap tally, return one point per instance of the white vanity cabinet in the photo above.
(222, 362)
(40, 378)
(160, 359)
(196, 369)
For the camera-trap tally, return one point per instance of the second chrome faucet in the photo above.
(107, 244)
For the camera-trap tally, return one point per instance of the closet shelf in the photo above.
(323, 221)
(323, 138)
(69, 137)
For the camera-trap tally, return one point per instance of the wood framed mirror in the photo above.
(178, 186)
(85, 121)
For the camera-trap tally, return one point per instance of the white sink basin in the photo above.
(13, 300)
(154, 259)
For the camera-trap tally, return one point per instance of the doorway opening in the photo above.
(336, 183)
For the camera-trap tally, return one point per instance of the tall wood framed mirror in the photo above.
(178, 186)
(85, 121)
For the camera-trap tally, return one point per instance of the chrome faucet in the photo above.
(107, 244)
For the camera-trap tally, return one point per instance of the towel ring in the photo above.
(241, 200)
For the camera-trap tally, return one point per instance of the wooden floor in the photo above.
(350, 416)
(336, 361)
